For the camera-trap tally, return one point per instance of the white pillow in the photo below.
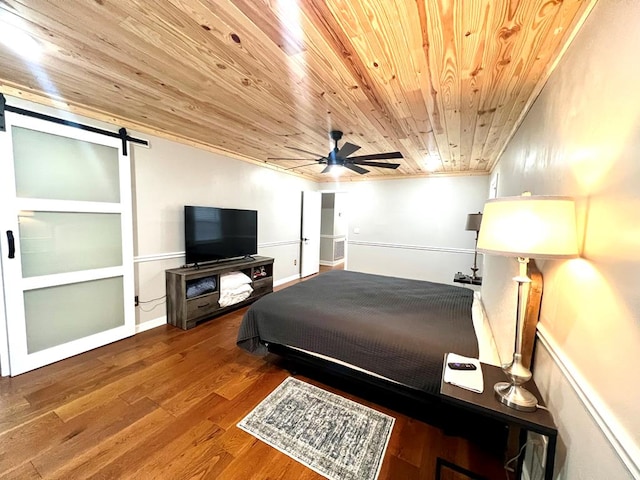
(232, 280)
(486, 342)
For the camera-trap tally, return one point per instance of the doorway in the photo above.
(333, 230)
(323, 232)
(310, 233)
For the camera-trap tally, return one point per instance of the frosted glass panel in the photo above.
(61, 168)
(58, 242)
(58, 315)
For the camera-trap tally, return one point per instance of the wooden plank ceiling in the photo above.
(445, 82)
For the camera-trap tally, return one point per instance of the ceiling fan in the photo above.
(341, 157)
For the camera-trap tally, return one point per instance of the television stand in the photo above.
(186, 312)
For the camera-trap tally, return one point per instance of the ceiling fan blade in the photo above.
(356, 168)
(378, 156)
(347, 149)
(306, 151)
(283, 158)
(375, 164)
(327, 169)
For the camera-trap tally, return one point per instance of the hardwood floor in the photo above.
(164, 404)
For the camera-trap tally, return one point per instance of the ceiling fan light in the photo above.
(432, 164)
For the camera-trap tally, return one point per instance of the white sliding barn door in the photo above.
(310, 241)
(67, 242)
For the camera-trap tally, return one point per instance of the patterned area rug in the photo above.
(338, 438)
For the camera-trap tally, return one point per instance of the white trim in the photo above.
(56, 279)
(324, 263)
(333, 236)
(149, 324)
(44, 205)
(612, 429)
(154, 257)
(278, 244)
(62, 130)
(413, 247)
(282, 281)
(5, 368)
(31, 361)
(157, 257)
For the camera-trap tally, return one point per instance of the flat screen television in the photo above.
(213, 234)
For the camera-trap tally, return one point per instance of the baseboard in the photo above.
(331, 264)
(149, 324)
(282, 281)
(614, 432)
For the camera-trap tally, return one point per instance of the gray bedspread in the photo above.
(395, 327)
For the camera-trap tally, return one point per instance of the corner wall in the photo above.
(412, 228)
(169, 175)
(582, 138)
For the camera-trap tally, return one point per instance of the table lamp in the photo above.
(473, 224)
(526, 227)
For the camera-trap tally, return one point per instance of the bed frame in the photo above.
(424, 406)
(396, 395)
(297, 360)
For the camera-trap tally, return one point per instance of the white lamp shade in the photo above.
(530, 227)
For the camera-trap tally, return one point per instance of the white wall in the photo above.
(582, 138)
(340, 224)
(413, 228)
(170, 175)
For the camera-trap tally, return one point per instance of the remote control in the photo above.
(461, 366)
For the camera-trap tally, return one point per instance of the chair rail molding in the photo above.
(611, 427)
(412, 247)
(155, 257)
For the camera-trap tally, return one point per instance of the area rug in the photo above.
(338, 438)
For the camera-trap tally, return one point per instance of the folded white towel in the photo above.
(233, 296)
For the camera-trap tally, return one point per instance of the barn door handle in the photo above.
(12, 244)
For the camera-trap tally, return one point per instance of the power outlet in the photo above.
(295, 262)
(135, 299)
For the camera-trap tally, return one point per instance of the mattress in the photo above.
(395, 328)
(488, 351)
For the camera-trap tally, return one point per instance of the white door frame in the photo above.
(12, 268)
(310, 233)
(346, 237)
(4, 341)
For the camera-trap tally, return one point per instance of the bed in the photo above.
(394, 329)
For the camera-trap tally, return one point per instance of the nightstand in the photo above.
(486, 404)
